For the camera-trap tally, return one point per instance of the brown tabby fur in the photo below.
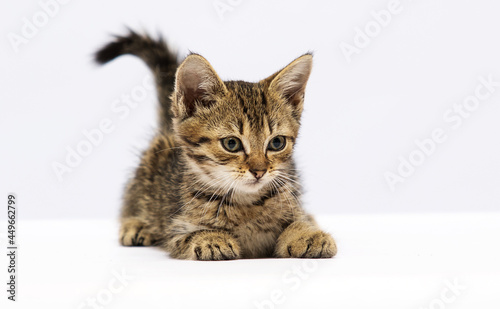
(199, 201)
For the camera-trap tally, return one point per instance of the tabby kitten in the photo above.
(218, 181)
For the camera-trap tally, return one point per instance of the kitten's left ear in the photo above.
(291, 81)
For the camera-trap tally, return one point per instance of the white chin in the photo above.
(252, 186)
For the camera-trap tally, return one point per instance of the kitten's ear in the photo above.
(196, 84)
(291, 81)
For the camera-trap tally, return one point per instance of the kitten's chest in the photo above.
(256, 227)
(257, 239)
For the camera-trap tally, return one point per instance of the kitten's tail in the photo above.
(159, 59)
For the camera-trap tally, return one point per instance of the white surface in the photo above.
(359, 116)
(384, 261)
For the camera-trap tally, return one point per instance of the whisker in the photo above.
(275, 187)
(288, 177)
(207, 204)
(293, 195)
(223, 197)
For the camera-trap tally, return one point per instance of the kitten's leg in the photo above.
(207, 245)
(133, 232)
(303, 239)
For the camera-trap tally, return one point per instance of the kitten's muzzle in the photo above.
(257, 173)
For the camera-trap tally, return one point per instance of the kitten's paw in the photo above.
(213, 246)
(134, 233)
(305, 244)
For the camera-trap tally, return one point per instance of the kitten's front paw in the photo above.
(214, 245)
(134, 232)
(305, 244)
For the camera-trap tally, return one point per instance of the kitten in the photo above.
(218, 181)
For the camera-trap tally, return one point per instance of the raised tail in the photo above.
(162, 62)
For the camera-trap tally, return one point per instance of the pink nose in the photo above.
(258, 174)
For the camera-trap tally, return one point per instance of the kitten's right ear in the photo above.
(196, 85)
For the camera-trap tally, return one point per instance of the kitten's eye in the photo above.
(277, 143)
(231, 144)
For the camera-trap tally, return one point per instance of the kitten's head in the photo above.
(239, 135)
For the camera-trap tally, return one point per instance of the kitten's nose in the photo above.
(258, 173)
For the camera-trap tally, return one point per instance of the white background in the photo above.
(360, 116)
(397, 249)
